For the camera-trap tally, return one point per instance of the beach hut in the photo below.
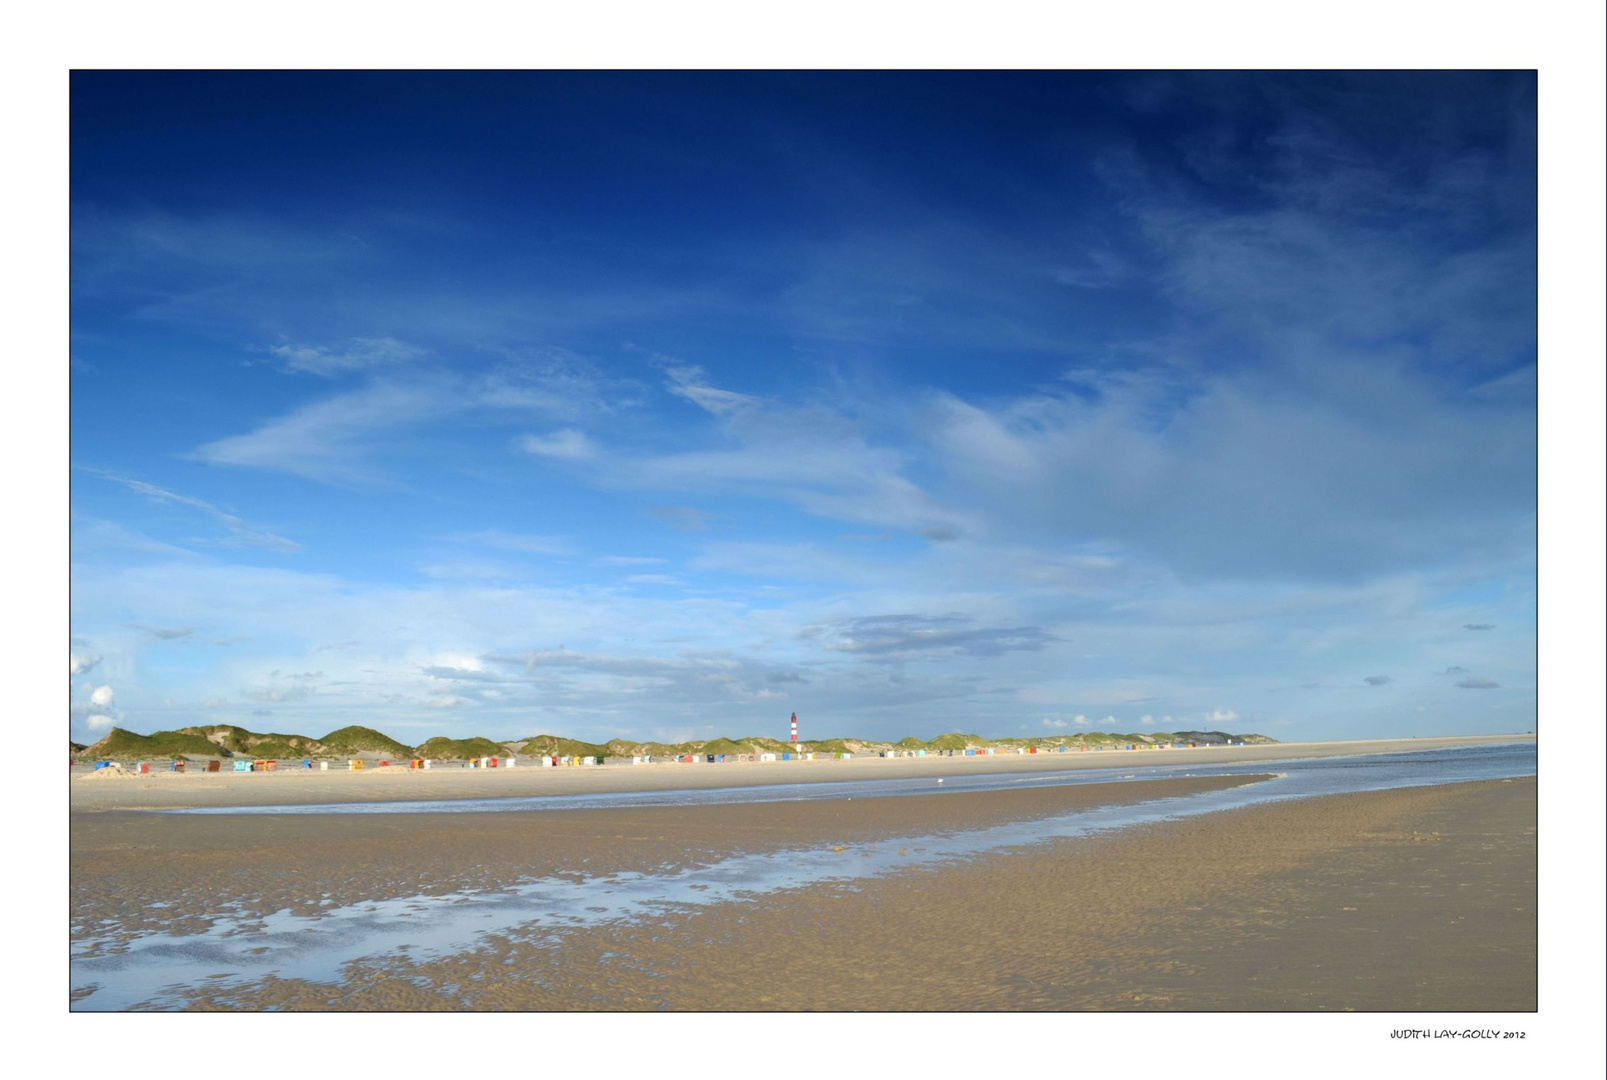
(177, 766)
(144, 767)
(767, 757)
(354, 765)
(323, 766)
(211, 766)
(242, 766)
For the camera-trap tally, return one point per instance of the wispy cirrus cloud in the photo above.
(817, 457)
(566, 443)
(359, 354)
(165, 633)
(240, 533)
(894, 636)
(356, 437)
(691, 382)
(328, 440)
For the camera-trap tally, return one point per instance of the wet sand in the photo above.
(295, 786)
(1417, 898)
(259, 864)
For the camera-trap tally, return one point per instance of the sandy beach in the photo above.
(294, 786)
(1416, 898)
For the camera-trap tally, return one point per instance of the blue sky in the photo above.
(668, 405)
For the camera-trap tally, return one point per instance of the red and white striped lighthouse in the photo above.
(795, 728)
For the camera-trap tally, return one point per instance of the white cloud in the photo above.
(102, 696)
(1054, 723)
(358, 355)
(1120, 456)
(1221, 715)
(553, 382)
(83, 660)
(457, 662)
(1147, 720)
(326, 440)
(566, 443)
(240, 532)
(98, 722)
(691, 383)
(1080, 720)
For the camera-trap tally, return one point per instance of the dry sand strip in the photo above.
(294, 786)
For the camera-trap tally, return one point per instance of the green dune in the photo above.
(125, 745)
(362, 740)
(557, 745)
(227, 740)
(459, 749)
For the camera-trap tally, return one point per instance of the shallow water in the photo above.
(1387, 770)
(154, 970)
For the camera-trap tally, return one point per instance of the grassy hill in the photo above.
(550, 745)
(127, 745)
(761, 744)
(242, 743)
(955, 741)
(725, 746)
(227, 740)
(459, 749)
(834, 746)
(362, 740)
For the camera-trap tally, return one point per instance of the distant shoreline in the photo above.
(165, 790)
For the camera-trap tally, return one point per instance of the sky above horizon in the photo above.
(667, 405)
